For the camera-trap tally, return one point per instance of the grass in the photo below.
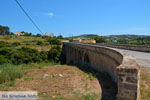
(54, 87)
(11, 83)
(26, 41)
(21, 39)
(9, 72)
(145, 83)
(90, 96)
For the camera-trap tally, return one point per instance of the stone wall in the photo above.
(122, 69)
(128, 47)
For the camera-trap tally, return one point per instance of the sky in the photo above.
(76, 17)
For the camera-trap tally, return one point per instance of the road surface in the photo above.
(142, 58)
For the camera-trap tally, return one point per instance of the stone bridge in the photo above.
(122, 68)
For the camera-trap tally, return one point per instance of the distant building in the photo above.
(64, 40)
(19, 33)
(88, 40)
(84, 40)
(49, 34)
(77, 40)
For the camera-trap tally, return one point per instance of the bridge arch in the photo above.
(86, 58)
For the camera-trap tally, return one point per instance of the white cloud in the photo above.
(50, 14)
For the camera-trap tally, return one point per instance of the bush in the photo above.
(15, 44)
(54, 41)
(54, 53)
(3, 44)
(44, 55)
(38, 35)
(3, 60)
(22, 55)
(40, 43)
(6, 52)
(100, 39)
(10, 73)
(26, 55)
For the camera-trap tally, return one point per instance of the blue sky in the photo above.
(75, 17)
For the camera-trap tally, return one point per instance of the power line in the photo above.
(28, 16)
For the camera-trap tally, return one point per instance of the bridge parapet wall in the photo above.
(123, 70)
(141, 48)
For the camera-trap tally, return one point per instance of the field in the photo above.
(27, 41)
(56, 82)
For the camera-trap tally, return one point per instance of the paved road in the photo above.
(142, 58)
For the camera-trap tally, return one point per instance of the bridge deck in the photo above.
(142, 58)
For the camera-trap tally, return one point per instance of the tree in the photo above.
(122, 41)
(99, 39)
(54, 53)
(38, 35)
(54, 41)
(60, 37)
(4, 30)
(27, 34)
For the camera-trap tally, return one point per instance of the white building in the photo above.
(19, 33)
(49, 34)
(77, 40)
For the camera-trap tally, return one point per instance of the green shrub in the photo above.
(38, 35)
(3, 60)
(13, 72)
(26, 55)
(89, 96)
(99, 39)
(11, 83)
(10, 73)
(6, 52)
(54, 41)
(44, 55)
(54, 53)
(3, 44)
(5, 55)
(40, 43)
(3, 77)
(15, 44)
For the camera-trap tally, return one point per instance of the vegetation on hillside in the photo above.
(128, 39)
(97, 38)
(118, 39)
(25, 49)
(4, 30)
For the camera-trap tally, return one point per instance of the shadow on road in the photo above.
(109, 88)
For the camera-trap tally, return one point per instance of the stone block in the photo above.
(131, 79)
(130, 86)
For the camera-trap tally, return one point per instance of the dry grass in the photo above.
(26, 41)
(59, 82)
(145, 83)
(21, 39)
